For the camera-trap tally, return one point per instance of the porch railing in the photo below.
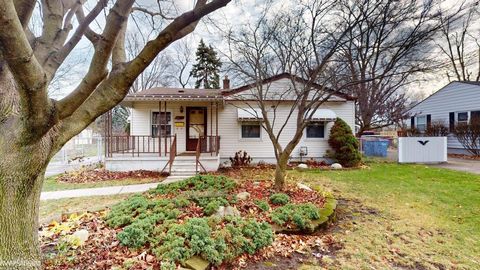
(206, 144)
(172, 155)
(136, 145)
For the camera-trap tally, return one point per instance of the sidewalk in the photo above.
(104, 191)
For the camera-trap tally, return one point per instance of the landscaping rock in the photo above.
(197, 263)
(243, 195)
(336, 166)
(303, 186)
(232, 211)
(227, 211)
(82, 235)
(302, 166)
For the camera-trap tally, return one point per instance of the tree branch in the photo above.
(31, 82)
(111, 91)
(98, 67)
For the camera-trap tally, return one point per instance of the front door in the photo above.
(196, 126)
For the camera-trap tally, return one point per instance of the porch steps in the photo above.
(184, 166)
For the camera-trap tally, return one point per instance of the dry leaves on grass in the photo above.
(98, 175)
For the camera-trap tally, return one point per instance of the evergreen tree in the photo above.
(345, 145)
(205, 71)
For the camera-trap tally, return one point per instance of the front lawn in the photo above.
(93, 178)
(403, 216)
(51, 183)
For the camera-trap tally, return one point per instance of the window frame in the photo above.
(424, 124)
(463, 121)
(169, 123)
(316, 124)
(259, 138)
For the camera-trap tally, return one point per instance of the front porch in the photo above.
(166, 133)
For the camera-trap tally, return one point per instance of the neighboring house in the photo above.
(180, 128)
(455, 103)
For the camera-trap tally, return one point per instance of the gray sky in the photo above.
(238, 12)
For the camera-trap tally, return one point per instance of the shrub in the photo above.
(197, 183)
(437, 129)
(262, 205)
(279, 199)
(300, 215)
(240, 159)
(201, 236)
(469, 136)
(344, 144)
(212, 206)
(124, 212)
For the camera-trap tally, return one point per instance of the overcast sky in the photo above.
(238, 12)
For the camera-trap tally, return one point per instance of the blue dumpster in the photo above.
(375, 147)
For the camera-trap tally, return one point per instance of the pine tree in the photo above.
(205, 71)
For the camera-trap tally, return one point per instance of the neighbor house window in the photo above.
(161, 122)
(316, 130)
(462, 118)
(422, 123)
(251, 131)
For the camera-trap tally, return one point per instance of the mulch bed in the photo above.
(102, 250)
(98, 175)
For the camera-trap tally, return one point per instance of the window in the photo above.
(251, 131)
(162, 120)
(475, 116)
(462, 118)
(316, 130)
(421, 123)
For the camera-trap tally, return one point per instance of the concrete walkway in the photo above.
(104, 191)
(459, 164)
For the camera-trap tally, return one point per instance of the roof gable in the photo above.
(277, 86)
(443, 89)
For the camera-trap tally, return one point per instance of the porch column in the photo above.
(165, 114)
(158, 129)
(217, 141)
(211, 128)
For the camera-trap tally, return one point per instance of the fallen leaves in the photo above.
(87, 175)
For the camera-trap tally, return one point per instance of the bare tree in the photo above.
(32, 126)
(303, 45)
(157, 74)
(384, 54)
(182, 60)
(460, 43)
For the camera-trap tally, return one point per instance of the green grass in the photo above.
(51, 184)
(53, 209)
(403, 216)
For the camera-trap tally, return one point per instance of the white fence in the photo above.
(422, 149)
(80, 149)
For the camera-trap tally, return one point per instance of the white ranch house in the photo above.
(200, 129)
(457, 102)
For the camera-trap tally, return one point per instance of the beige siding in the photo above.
(230, 128)
(262, 149)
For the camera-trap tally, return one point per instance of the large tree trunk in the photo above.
(23, 161)
(22, 170)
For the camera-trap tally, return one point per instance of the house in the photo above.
(185, 130)
(456, 103)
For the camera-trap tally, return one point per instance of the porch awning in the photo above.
(324, 115)
(249, 114)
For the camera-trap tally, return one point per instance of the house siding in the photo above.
(455, 97)
(230, 128)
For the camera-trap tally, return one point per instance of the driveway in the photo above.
(458, 164)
